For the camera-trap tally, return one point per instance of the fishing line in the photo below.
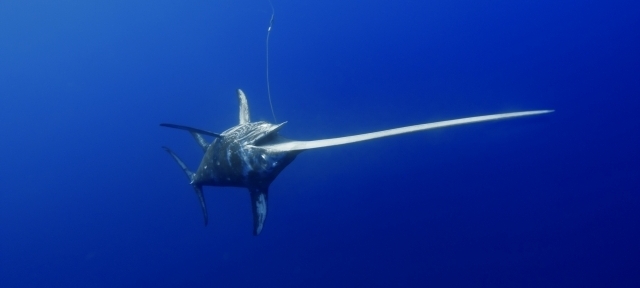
(268, 87)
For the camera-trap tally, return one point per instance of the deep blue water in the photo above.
(88, 198)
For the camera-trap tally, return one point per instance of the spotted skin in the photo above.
(252, 154)
(233, 160)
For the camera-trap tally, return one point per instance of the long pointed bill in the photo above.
(305, 145)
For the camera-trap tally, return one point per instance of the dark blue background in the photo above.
(88, 198)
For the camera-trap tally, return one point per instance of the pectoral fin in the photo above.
(259, 208)
(305, 145)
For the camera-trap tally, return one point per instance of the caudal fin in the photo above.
(196, 133)
(196, 187)
(198, 190)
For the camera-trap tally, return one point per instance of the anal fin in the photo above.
(259, 208)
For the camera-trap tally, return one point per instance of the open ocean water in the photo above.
(89, 199)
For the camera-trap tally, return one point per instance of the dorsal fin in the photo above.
(244, 108)
(200, 140)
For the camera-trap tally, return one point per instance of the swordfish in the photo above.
(252, 154)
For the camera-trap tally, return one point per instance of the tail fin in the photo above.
(198, 190)
(196, 187)
(196, 133)
(190, 129)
